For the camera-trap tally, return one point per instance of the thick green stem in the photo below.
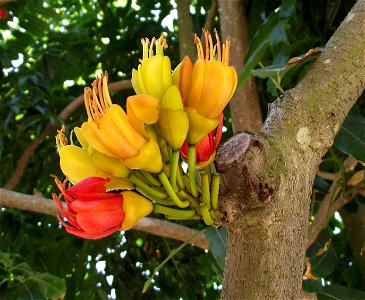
(174, 212)
(152, 180)
(193, 202)
(170, 191)
(151, 190)
(207, 169)
(206, 215)
(191, 166)
(195, 217)
(205, 189)
(174, 165)
(153, 198)
(185, 179)
(179, 179)
(215, 191)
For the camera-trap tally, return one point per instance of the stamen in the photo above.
(211, 51)
(160, 45)
(87, 94)
(225, 59)
(206, 44)
(100, 94)
(61, 139)
(145, 42)
(150, 52)
(224, 52)
(107, 99)
(199, 47)
(218, 45)
(94, 103)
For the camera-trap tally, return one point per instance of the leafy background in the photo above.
(50, 51)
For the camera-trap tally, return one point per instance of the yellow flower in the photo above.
(153, 76)
(135, 208)
(206, 87)
(110, 131)
(173, 122)
(80, 163)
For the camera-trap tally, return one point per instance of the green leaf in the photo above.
(323, 257)
(51, 286)
(217, 239)
(339, 292)
(312, 286)
(351, 137)
(324, 264)
(282, 69)
(258, 47)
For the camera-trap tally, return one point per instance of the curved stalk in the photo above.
(193, 202)
(174, 165)
(195, 217)
(206, 215)
(151, 190)
(152, 180)
(170, 191)
(174, 212)
(179, 179)
(205, 189)
(215, 191)
(153, 198)
(191, 166)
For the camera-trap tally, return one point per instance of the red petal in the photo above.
(97, 221)
(89, 185)
(203, 149)
(92, 235)
(94, 196)
(99, 205)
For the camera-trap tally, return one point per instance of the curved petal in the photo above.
(182, 76)
(213, 90)
(144, 108)
(135, 82)
(75, 163)
(91, 235)
(108, 164)
(100, 204)
(97, 221)
(148, 159)
(196, 84)
(135, 208)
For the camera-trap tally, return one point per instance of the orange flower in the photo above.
(110, 131)
(213, 81)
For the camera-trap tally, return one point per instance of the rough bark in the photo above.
(245, 106)
(355, 229)
(267, 178)
(186, 33)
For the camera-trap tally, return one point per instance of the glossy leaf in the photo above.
(339, 292)
(217, 239)
(351, 137)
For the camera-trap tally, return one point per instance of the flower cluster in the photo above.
(176, 116)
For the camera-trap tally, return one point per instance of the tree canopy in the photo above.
(51, 50)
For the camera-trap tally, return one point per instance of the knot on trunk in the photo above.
(245, 185)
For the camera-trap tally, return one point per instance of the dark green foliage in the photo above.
(71, 40)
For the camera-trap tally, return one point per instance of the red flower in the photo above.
(92, 213)
(205, 149)
(3, 13)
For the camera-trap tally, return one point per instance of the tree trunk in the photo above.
(186, 33)
(267, 178)
(245, 106)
